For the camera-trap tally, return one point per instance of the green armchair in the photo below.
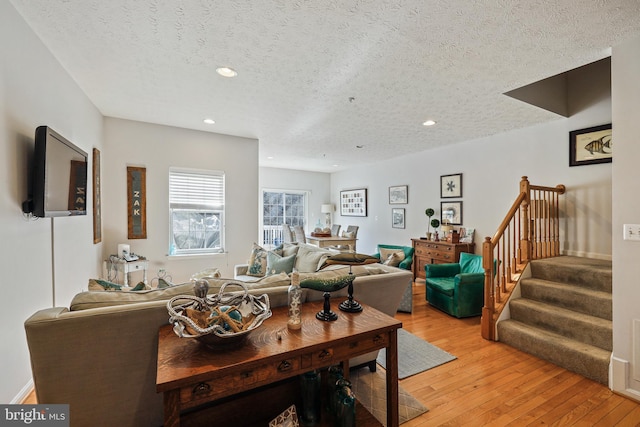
(406, 305)
(457, 288)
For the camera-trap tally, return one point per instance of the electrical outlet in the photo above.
(631, 231)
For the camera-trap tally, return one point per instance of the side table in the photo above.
(127, 267)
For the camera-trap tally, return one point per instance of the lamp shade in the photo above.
(327, 208)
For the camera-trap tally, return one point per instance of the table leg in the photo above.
(171, 408)
(393, 419)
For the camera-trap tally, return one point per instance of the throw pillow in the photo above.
(385, 253)
(278, 264)
(309, 258)
(257, 261)
(393, 260)
(103, 285)
(286, 249)
(350, 258)
(348, 234)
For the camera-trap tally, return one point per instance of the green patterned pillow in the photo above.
(278, 264)
(257, 261)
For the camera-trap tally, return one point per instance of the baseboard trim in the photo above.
(606, 257)
(618, 377)
(24, 392)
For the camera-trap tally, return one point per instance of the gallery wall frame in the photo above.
(397, 218)
(353, 202)
(451, 211)
(97, 206)
(451, 186)
(591, 146)
(399, 195)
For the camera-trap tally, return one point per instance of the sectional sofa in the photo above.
(99, 355)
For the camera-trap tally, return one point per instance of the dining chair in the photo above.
(335, 229)
(298, 231)
(352, 230)
(287, 235)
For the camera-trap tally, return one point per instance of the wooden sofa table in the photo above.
(190, 375)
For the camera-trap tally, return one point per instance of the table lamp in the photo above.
(327, 209)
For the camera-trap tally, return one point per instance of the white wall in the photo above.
(317, 183)
(157, 148)
(491, 168)
(626, 210)
(35, 90)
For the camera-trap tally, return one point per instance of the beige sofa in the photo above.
(99, 355)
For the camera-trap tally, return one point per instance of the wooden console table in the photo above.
(191, 375)
(430, 252)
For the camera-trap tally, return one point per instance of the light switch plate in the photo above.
(631, 232)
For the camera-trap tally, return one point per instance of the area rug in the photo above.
(370, 390)
(415, 355)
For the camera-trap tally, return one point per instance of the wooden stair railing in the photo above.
(530, 230)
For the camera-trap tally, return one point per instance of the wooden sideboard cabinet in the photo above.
(430, 252)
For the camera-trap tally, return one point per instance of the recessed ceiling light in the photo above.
(269, 157)
(335, 166)
(226, 72)
(429, 123)
(209, 121)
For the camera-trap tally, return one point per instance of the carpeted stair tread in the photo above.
(584, 359)
(585, 272)
(568, 323)
(584, 300)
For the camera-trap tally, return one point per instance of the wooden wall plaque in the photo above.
(136, 202)
(97, 207)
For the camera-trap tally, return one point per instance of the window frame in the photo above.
(305, 193)
(198, 207)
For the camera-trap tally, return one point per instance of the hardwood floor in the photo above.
(477, 389)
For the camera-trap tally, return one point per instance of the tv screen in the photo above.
(59, 176)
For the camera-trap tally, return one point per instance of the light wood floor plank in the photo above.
(491, 384)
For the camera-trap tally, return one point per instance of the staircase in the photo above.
(564, 315)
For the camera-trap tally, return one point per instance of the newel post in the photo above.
(487, 328)
(525, 238)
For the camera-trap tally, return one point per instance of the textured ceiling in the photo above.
(318, 78)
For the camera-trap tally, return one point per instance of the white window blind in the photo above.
(196, 205)
(196, 189)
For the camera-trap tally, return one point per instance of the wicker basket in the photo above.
(190, 314)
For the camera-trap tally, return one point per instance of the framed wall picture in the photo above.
(397, 217)
(466, 234)
(353, 202)
(590, 146)
(451, 213)
(136, 202)
(97, 207)
(399, 195)
(451, 186)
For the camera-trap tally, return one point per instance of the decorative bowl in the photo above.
(221, 320)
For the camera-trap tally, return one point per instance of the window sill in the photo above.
(192, 256)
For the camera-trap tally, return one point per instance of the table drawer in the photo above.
(205, 391)
(338, 353)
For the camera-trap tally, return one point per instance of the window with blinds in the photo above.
(196, 204)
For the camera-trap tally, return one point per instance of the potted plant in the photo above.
(429, 213)
(435, 223)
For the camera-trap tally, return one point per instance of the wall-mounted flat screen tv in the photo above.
(59, 180)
